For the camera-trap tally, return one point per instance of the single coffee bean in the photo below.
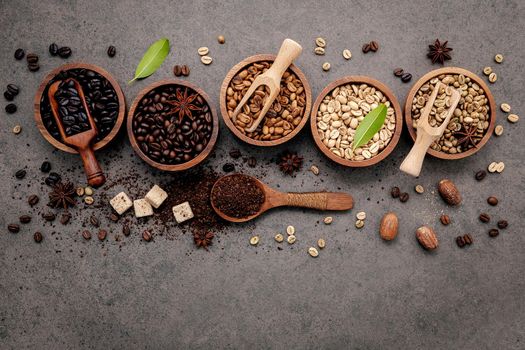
(53, 49)
(503, 224)
(235, 153)
(10, 108)
(493, 232)
(13, 89)
(460, 241)
(185, 70)
(480, 175)
(468, 238)
(126, 230)
(8, 96)
(49, 216)
(86, 234)
(395, 192)
(113, 217)
(32, 58)
(38, 237)
(112, 51)
(19, 54)
(366, 48)
(13, 228)
(94, 221)
(374, 46)
(102, 234)
(445, 219)
(228, 167)
(146, 235)
(52, 179)
(45, 167)
(484, 217)
(64, 52)
(403, 197)
(33, 67)
(492, 201)
(32, 200)
(25, 219)
(20, 174)
(177, 70)
(252, 162)
(406, 77)
(398, 72)
(65, 218)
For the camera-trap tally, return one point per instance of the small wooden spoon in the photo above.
(81, 141)
(274, 198)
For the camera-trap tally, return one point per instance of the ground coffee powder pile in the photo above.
(238, 196)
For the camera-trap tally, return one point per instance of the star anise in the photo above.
(289, 162)
(203, 238)
(439, 52)
(62, 195)
(467, 137)
(183, 104)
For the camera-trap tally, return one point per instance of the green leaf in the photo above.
(369, 126)
(152, 59)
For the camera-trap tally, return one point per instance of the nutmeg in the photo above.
(427, 237)
(449, 192)
(388, 227)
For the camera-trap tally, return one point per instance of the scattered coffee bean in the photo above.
(460, 241)
(498, 58)
(221, 39)
(484, 217)
(487, 70)
(25, 219)
(88, 191)
(374, 46)
(502, 224)
(13, 228)
(468, 239)
(38, 237)
(53, 49)
(203, 51)
(398, 72)
(406, 77)
(254, 240)
(493, 77)
(513, 118)
(89, 200)
(114, 217)
(492, 201)
(419, 189)
(80, 191)
(52, 179)
(505, 107)
(65, 218)
(112, 51)
(228, 167)
(320, 51)
(102, 234)
(395, 192)
(32, 58)
(126, 230)
(13, 89)
(366, 48)
(326, 66)
(19, 54)
(498, 130)
(403, 197)
(177, 70)
(147, 236)
(17, 129)
(206, 60)
(33, 67)
(10, 108)
(45, 167)
(493, 232)
(94, 221)
(314, 253)
(20, 174)
(480, 175)
(185, 70)
(347, 54)
(235, 153)
(32, 200)
(8, 96)
(64, 52)
(86, 234)
(49, 216)
(252, 162)
(445, 219)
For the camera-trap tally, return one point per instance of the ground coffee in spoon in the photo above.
(238, 196)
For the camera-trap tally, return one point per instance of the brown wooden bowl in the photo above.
(477, 80)
(390, 96)
(224, 110)
(121, 114)
(173, 167)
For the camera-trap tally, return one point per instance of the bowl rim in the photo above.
(75, 65)
(173, 167)
(394, 103)
(224, 110)
(451, 70)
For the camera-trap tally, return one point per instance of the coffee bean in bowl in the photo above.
(172, 125)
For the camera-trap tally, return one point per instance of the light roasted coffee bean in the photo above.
(326, 66)
(498, 130)
(347, 54)
(513, 118)
(498, 58)
(320, 42)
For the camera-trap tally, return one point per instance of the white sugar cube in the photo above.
(156, 196)
(182, 212)
(142, 208)
(121, 203)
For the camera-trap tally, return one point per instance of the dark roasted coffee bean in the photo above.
(32, 58)
(147, 236)
(398, 72)
(228, 167)
(38, 237)
(86, 234)
(13, 89)
(235, 153)
(484, 217)
(65, 218)
(25, 219)
(53, 49)
(480, 175)
(49, 216)
(112, 51)
(94, 221)
(493, 232)
(406, 77)
(403, 197)
(366, 48)
(33, 67)
(19, 54)
(445, 219)
(10, 108)
(32, 200)
(53, 178)
(177, 70)
(113, 217)
(126, 230)
(20, 174)
(460, 241)
(503, 224)
(492, 201)
(8, 96)
(102, 235)
(45, 167)
(374, 46)
(252, 162)
(185, 70)
(395, 192)
(13, 228)
(468, 238)
(64, 52)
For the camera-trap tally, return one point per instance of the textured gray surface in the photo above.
(361, 293)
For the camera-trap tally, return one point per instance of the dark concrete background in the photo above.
(361, 293)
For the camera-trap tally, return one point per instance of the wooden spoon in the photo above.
(274, 198)
(81, 141)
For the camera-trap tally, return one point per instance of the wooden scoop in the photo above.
(273, 199)
(427, 134)
(81, 141)
(288, 52)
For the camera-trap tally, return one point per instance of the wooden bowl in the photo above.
(394, 104)
(224, 110)
(173, 167)
(79, 65)
(477, 80)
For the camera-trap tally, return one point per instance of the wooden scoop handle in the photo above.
(320, 200)
(288, 52)
(93, 171)
(414, 160)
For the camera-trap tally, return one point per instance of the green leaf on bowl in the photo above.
(152, 59)
(369, 126)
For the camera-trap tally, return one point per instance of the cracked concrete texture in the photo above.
(361, 293)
